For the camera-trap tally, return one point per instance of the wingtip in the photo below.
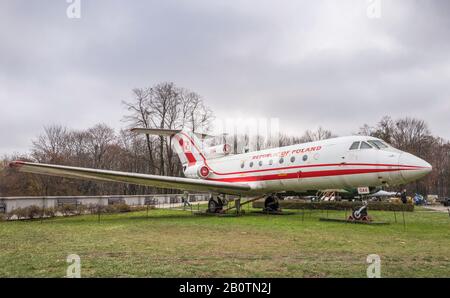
(135, 129)
(16, 164)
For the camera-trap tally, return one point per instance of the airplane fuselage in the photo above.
(339, 163)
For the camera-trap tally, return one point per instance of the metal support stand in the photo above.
(238, 206)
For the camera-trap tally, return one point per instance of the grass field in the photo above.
(171, 243)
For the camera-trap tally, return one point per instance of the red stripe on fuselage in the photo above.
(318, 165)
(311, 174)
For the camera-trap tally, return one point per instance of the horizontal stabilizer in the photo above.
(166, 132)
(156, 131)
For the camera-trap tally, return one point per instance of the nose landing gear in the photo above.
(360, 214)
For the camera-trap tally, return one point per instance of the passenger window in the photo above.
(242, 165)
(281, 160)
(292, 158)
(251, 164)
(305, 157)
(364, 145)
(260, 163)
(270, 162)
(354, 146)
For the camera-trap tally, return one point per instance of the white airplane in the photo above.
(339, 163)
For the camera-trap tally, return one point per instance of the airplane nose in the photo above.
(413, 167)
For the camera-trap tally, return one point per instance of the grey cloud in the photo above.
(309, 63)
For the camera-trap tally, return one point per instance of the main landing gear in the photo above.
(271, 204)
(215, 205)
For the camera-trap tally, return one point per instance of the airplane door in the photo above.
(299, 179)
(350, 157)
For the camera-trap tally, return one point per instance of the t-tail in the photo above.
(186, 144)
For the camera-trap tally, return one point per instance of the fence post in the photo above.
(404, 222)
(43, 209)
(98, 209)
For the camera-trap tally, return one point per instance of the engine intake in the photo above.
(198, 171)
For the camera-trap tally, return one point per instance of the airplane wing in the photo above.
(132, 178)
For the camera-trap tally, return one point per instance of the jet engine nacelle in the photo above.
(197, 171)
(218, 151)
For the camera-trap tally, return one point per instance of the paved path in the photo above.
(439, 208)
(180, 205)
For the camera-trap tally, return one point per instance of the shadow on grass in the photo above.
(153, 215)
(168, 215)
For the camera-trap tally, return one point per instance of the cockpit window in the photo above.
(364, 145)
(374, 144)
(354, 146)
(378, 144)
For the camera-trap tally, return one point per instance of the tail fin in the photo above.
(186, 144)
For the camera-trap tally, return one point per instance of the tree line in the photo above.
(168, 106)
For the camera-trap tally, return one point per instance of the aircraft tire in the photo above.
(271, 204)
(215, 206)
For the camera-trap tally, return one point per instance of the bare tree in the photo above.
(99, 140)
(319, 134)
(140, 114)
(51, 146)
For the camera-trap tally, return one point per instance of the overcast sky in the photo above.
(309, 63)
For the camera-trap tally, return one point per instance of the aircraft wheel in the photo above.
(356, 215)
(215, 206)
(271, 204)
